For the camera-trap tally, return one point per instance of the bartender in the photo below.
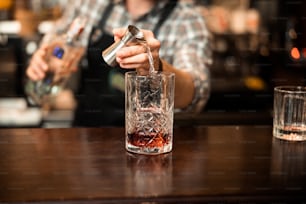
(174, 31)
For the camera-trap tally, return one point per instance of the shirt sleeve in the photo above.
(193, 54)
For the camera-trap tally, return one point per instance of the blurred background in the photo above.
(257, 45)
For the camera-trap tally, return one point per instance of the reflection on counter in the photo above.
(288, 160)
(149, 174)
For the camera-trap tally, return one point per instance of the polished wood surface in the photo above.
(208, 164)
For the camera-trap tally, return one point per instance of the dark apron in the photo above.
(101, 96)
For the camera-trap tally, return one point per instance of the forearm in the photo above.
(184, 86)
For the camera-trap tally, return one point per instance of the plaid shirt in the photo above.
(183, 36)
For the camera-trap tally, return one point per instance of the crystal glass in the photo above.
(149, 104)
(289, 121)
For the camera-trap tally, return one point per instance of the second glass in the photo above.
(289, 122)
(149, 105)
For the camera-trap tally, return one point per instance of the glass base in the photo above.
(291, 133)
(148, 150)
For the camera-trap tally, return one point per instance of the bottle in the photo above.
(63, 54)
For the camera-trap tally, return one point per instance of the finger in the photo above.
(44, 47)
(131, 51)
(140, 61)
(134, 66)
(152, 42)
(74, 69)
(136, 61)
(147, 33)
(39, 60)
(119, 33)
(33, 75)
(73, 61)
(39, 74)
(39, 65)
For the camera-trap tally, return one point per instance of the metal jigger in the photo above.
(109, 54)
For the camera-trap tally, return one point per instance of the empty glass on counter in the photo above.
(289, 122)
(62, 55)
(149, 103)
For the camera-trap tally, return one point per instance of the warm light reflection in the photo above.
(295, 53)
(304, 52)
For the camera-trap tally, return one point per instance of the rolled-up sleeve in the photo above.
(193, 55)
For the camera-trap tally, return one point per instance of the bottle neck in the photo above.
(70, 38)
(75, 30)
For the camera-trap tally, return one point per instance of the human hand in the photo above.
(38, 65)
(135, 55)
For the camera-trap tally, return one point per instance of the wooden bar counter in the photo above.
(208, 164)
